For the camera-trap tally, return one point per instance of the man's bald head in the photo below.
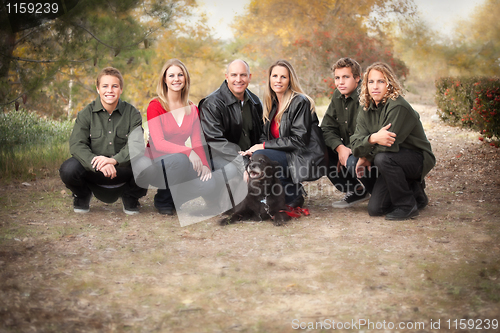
(238, 61)
(238, 77)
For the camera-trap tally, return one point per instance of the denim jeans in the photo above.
(175, 171)
(292, 191)
(345, 179)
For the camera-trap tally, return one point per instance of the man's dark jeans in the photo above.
(392, 189)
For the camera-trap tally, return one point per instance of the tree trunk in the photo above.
(7, 43)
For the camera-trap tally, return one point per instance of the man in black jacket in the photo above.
(231, 119)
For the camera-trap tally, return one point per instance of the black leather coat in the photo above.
(221, 121)
(301, 139)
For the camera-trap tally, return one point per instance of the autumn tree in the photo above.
(195, 46)
(38, 62)
(476, 48)
(313, 34)
(473, 49)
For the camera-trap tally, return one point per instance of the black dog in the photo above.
(266, 198)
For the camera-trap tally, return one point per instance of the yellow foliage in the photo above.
(200, 53)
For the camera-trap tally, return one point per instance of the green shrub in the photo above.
(484, 113)
(30, 145)
(472, 102)
(25, 128)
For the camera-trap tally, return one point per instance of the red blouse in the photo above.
(275, 128)
(167, 137)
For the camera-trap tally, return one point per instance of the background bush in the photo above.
(31, 146)
(472, 102)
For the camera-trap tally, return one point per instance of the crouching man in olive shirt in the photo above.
(99, 145)
(389, 135)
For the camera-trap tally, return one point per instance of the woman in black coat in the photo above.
(291, 133)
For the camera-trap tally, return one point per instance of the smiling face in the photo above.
(175, 79)
(238, 78)
(345, 81)
(279, 80)
(109, 90)
(377, 85)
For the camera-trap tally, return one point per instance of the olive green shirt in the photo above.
(247, 127)
(405, 122)
(98, 133)
(339, 121)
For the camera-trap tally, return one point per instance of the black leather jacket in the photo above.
(301, 139)
(221, 121)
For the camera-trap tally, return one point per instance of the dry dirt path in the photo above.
(107, 272)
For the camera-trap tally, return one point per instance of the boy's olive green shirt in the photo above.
(405, 122)
(98, 133)
(339, 121)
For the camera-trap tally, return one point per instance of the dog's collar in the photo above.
(266, 207)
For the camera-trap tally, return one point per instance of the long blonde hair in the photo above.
(394, 88)
(162, 89)
(293, 90)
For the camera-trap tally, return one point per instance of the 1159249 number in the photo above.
(32, 8)
(472, 324)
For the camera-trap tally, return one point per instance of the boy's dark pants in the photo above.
(82, 182)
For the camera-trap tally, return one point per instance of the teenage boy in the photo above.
(99, 145)
(390, 137)
(338, 124)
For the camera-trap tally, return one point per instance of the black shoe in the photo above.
(166, 211)
(399, 214)
(297, 202)
(422, 203)
(130, 205)
(350, 199)
(419, 193)
(81, 204)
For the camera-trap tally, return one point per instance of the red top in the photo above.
(275, 128)
(167, 137)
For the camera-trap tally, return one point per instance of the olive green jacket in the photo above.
(405, 122)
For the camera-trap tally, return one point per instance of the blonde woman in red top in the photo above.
(172, 120)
